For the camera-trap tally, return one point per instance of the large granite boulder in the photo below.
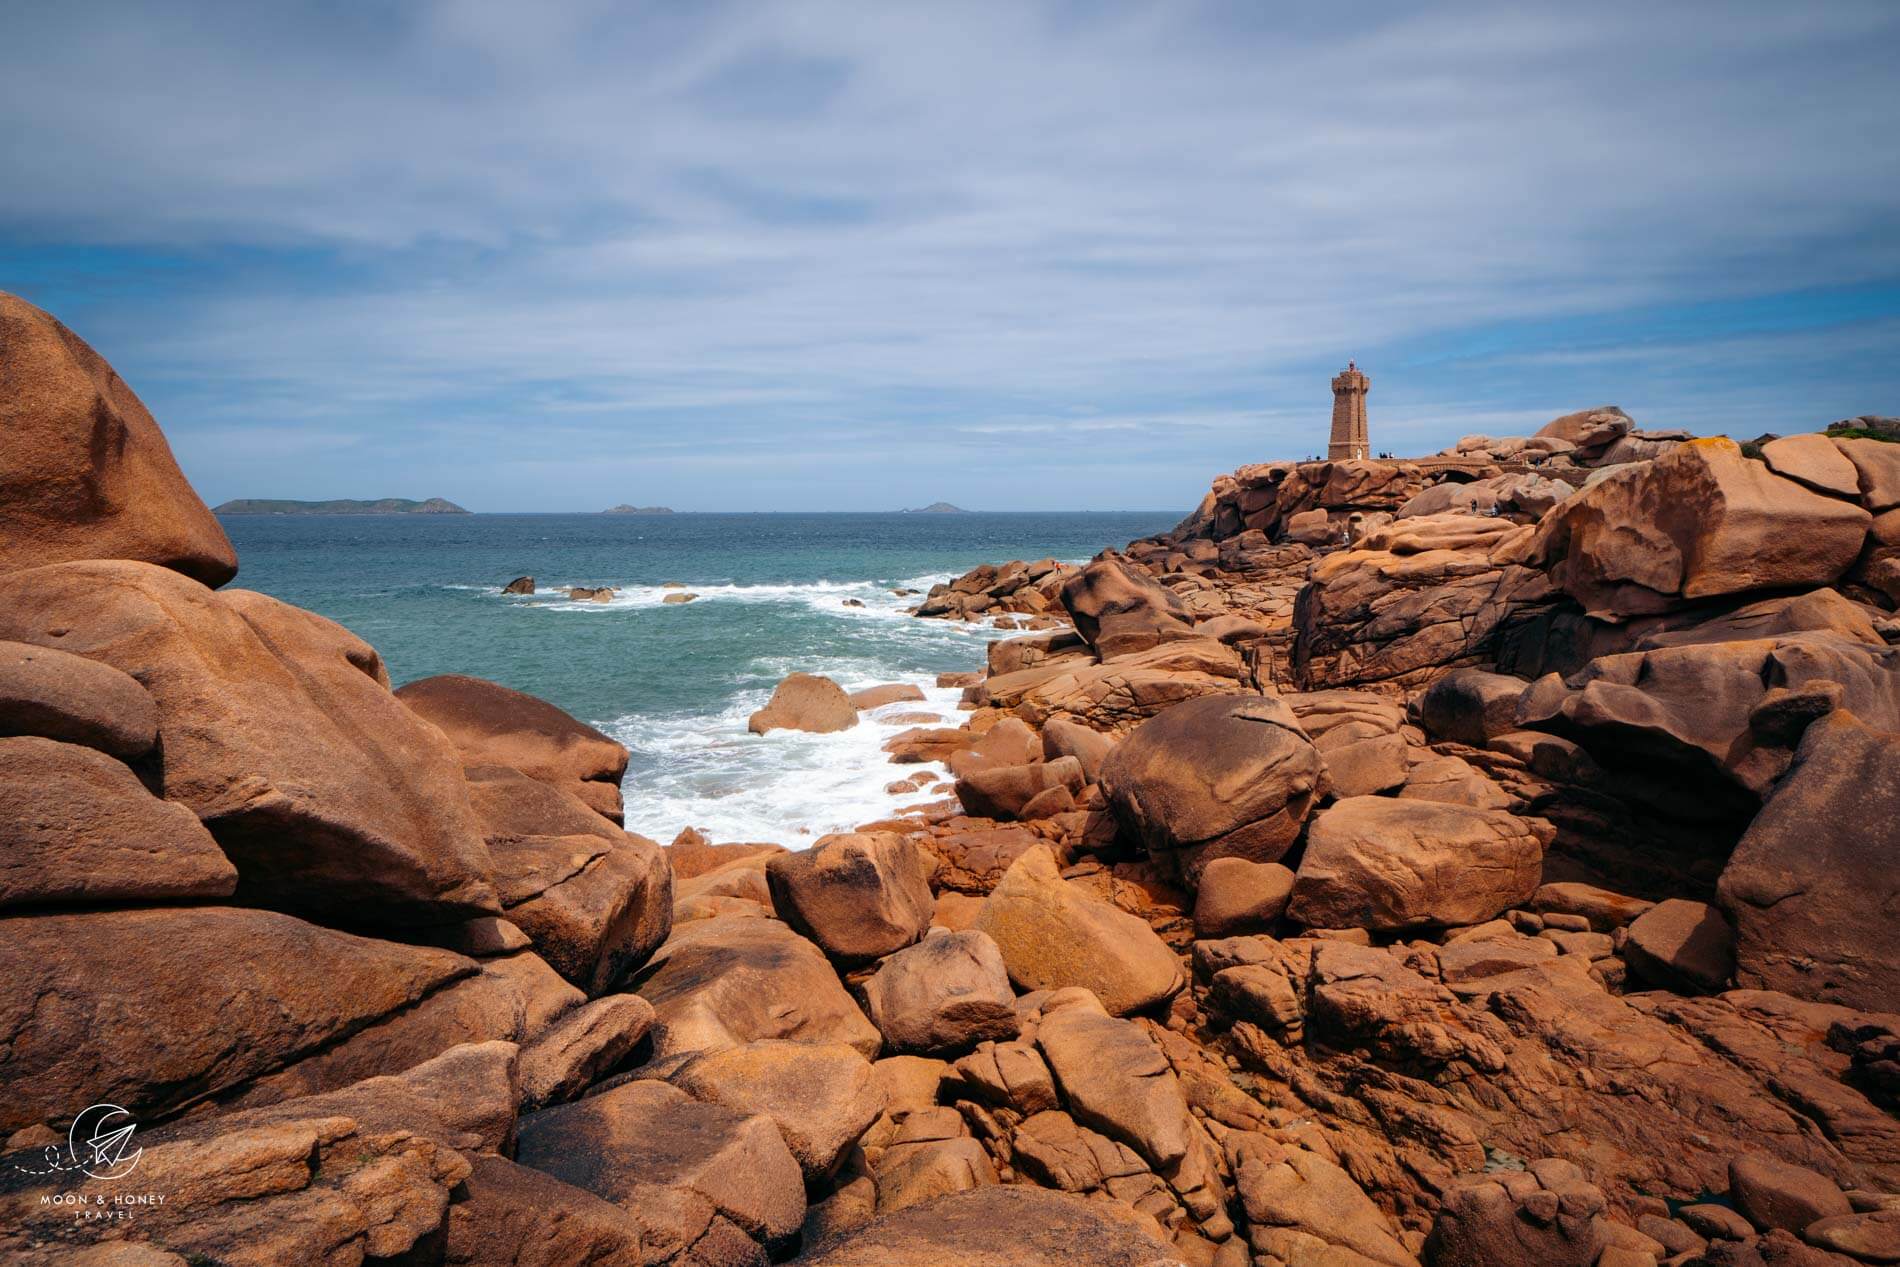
(730, 980)
(859, 897)
(1546, 1216)
(1117, 609)
(1813, 460)
(594, 900)
(1114, 1078)
(78, 827)
(1053, 934)
(514, 1216)
(280, 733)
(1877, 471)
(57, 695)
(1302, 1208)
(1384, 864)
(1699, 522)
(490, 724)
(1470, 706)
(805, 701)
(1589, 431)
(1682, 946)
(150, 1008)
(821, 1096)
(688, 1169)
(1812, 886)
(1415, 597)
(946, 994)
(85, 472)
(1223, 776)
(1000, 1226)
(1357, 732)
(1130, 689)
(1720, 715)
(364, 1173)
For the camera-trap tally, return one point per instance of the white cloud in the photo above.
(929, 228)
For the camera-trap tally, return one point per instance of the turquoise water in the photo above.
(675, 683)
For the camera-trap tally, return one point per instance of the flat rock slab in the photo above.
(999, 1226)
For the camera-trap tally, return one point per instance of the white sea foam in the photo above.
(827, 597)
(787, 787)
(704, 770)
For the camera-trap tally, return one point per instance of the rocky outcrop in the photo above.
(858, 897)
(79, 828)
(1420, 596)
(804, 701)
(85, 472)
(279, 731)
(730, 980)
(1493, 1008)
(697, 1175)
(1053, 935)
(1220, 777)
(595, 901)
(944, 995)
(999, 1227)
(1117, 610)
(491, 725)
(225, 1014)
(1699, 522)
(1378, 863)
(1811, 885)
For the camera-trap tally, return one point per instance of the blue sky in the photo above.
(1017, 255)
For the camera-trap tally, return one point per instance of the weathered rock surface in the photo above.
(212, 1013)
(1238, 897)
(594, 900)
(1215, 778)
(805, 701)
(1811, 888)
(279, 732)
(57, 695)
(1683, 946)
(85, 472)
(585, 1044)
(1372, 862)
(1419, 595)
(1117, 610)
(858, 897)
(731, 980)
(821, 1096)
(683, 1167)
(945, 994)
(999, 1226)
(76, 826)
(489, 724)
(1698, 522)
(1113, 1077)
(1051, 935)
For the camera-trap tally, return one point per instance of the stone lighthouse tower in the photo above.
(1349, 415)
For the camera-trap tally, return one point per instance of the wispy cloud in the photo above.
(502, 246)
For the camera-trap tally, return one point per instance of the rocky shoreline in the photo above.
(1488, 858)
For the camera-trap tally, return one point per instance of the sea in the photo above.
(675, 683)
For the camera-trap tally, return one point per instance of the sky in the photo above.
(1039, 254)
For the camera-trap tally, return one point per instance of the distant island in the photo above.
(937, 508)
(624, 509)
(338, 506)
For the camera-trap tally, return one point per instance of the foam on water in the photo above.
(676, 682)
(786, 786)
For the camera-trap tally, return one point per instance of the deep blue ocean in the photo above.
(676, 683)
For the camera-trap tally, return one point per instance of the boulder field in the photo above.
(1488, 860)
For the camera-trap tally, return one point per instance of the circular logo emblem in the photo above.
(100, 1142)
